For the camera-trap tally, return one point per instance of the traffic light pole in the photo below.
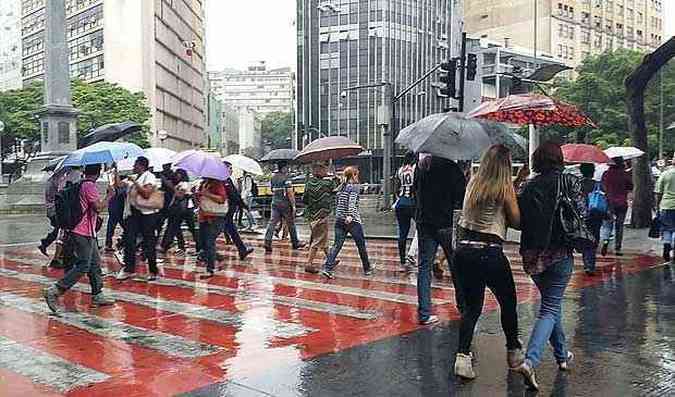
(462, 74)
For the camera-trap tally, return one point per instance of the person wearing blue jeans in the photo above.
(343, 229)
(547, 256)
(348, 221)
(665, 204)
(548, 328)
(439, 189)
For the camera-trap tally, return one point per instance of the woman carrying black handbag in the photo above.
(552, 213)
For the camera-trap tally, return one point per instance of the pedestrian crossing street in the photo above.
(180, 333)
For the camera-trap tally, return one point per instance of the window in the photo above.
(585, 37)
(85, 21)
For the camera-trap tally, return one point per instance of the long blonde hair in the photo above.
(492, 183)
(351, 174)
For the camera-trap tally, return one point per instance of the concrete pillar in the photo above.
(58, 118)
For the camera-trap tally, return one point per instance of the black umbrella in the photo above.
(280, 155)
(110, 133)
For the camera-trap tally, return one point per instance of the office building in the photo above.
(257, 88)
(230, 130)
(569, 29)
(345, 44)
(214, 124)
(10, 45)
(250, 138)
(152, 46)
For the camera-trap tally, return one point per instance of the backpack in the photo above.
(254, 188)
(67, 206)
(597, 201)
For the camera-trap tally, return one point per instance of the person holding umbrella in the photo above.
(247, 195)
(142, 220)
(318, 200)
(617, 183)
(83, 235)
(439, 189)
(283, 207)
(213, 207)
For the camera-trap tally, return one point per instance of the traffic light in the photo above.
(448, 78)
(471, 66)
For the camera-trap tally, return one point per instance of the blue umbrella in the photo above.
(102, 153)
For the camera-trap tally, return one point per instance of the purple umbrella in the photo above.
(202, 164)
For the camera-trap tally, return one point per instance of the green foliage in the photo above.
(99, 103)
(277, 129)
(599, 91)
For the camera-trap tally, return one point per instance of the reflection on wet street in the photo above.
(265, 327)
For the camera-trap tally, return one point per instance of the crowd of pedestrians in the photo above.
(429, 191)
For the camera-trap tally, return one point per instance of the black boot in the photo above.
(666, 252)
(402, 253)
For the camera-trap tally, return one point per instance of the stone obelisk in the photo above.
(58, 117)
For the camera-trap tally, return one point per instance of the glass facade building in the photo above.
(343, 44)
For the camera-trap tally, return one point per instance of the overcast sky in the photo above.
(669, 19)
(250, 31)
(263, 30)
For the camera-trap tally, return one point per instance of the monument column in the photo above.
(58, 117)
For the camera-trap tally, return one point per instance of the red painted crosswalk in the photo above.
(180, 333)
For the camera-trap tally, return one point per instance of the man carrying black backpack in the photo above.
(83, 209)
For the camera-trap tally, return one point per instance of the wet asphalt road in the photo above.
(620, 326)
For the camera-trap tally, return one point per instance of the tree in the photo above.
(636, 87)
(99, 103)
(277, 129)
(599, 91)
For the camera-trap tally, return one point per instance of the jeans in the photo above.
(404, 216)
(114, 219)
(594, 224)
(667, 218)
(430, 238)
(230, 229)
(356, 231)
(477, 268)
(617, 221)
(548, 327)
(51, 236)
(208, 232)
(87, 261)
(281, 213)
(247, 212)
(146, 226)
(173, 229)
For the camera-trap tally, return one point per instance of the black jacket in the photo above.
(234, 199)
(537, 201)
(439, 190)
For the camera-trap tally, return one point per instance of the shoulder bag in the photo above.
(210, 207)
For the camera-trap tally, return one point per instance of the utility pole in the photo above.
(661, 114)
(462, 73)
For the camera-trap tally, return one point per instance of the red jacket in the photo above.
(617, 183)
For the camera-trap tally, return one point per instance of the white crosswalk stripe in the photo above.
(44, 368)
(171, 345)
(272, 327)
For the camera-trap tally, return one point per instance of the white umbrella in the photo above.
(244, 163)
(155, 155)
(626, 152)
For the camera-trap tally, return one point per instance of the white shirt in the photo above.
(246, 187)
(148, 178)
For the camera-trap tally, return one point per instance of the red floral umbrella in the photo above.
(581, 153)
(534, 109)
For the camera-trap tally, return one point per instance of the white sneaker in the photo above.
(565, 365)
(123, 275)
(464, 367)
